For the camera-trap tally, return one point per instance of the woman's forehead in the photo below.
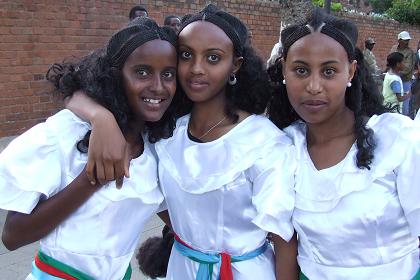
(204, 31)
(317, 44)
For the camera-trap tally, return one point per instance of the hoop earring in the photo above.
(348, 84)
(284, 81)
(232, 79)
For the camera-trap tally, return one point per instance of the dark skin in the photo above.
(369, 46)
(164, 216)
(206, 58)
(286, 256)
(155, 79)
(316, 80)
(397, 69)
(337, 136)
(22, 229)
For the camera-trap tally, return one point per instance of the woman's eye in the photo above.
(185, 55)
(329, 72)
(301, 71)
(168, 75)
(213, 58)
(141, 72)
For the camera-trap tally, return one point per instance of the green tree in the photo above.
(380, 6)
(405, 11)
(335, 6)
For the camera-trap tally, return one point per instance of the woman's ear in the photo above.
(237, 63)
(283, 64)
(352, 69)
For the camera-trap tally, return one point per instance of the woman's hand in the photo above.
(107, 154)
(108, 157)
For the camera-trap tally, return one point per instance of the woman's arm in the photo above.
(164, 216)
(286, 258)
(404, 97)
(22, 229)
(108, 151)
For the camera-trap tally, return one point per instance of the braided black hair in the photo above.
(252, 91)
(363, 97)
(153, 255)
(99, 76)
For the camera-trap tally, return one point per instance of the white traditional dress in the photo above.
(356, 223)
(224, 196)
(100, 237)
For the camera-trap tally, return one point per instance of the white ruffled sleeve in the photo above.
(273, 178)
(408, 174)
(30, 167)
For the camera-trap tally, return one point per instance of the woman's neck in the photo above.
(340, 125)
(206, 114)
(134, 139)
(135, 128)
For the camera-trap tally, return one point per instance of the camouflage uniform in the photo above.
(371, 61)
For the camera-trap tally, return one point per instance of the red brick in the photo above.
(35, 34)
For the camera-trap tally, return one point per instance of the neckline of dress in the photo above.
(236, 127)
(341, 163)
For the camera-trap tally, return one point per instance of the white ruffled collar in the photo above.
(318, 193)
(203, 167)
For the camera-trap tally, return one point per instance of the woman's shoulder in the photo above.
(394, 135)
(389, 123)
(296, 131)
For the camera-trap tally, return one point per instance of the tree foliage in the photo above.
(335, 6)
(407, 11)
(380, 6)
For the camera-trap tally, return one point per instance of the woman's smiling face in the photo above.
(149, 79)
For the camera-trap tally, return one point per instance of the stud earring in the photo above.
(232, 79)
(284, 81)
(348, 84)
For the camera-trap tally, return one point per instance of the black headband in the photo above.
(232, 26)
(324, 28)
(139, 32)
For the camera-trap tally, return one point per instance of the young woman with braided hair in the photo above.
(357, 210)
(91, 231)
(223, 171)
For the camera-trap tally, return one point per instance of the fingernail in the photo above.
(92, 182)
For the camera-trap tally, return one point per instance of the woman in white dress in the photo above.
(224, 172)
(357, 211)
(91, 231)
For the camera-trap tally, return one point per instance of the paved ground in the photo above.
(17, 264)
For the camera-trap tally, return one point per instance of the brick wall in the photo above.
(35, 34)
(385, 33)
